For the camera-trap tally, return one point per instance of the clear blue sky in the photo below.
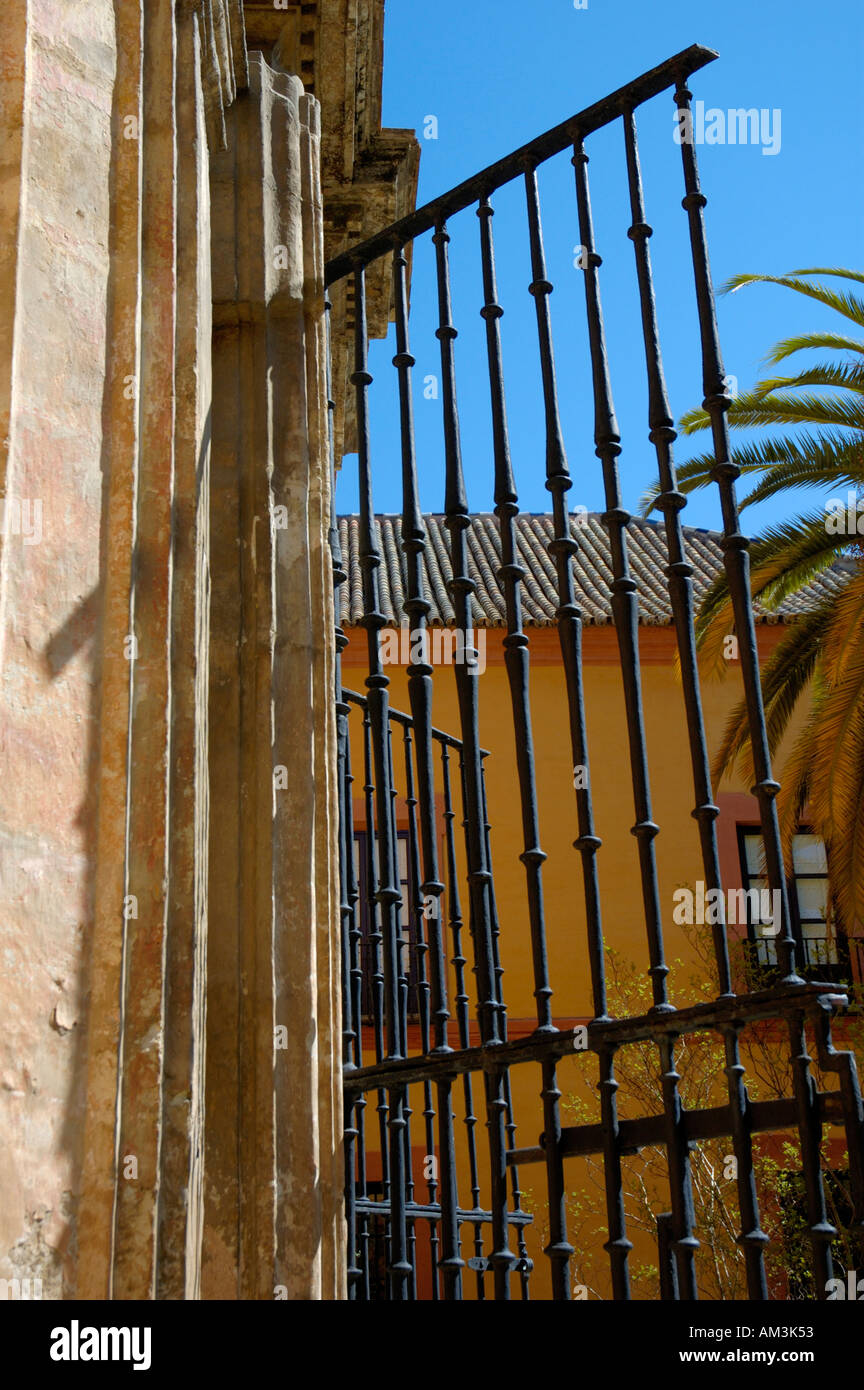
(496, 73)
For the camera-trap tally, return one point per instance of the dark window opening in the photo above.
(822, 950)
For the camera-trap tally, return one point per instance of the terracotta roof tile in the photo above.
(592, 566)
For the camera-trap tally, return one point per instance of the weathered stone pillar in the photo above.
(140, 1221)
(170, 1101)
(273, 1220)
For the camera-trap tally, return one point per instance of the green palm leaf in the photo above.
(837, 461)
(846, 304)
(801, 342)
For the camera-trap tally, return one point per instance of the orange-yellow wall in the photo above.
(677, 844)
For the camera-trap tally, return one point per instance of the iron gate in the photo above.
(415, 1235)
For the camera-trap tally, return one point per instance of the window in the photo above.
(366, 874)
(821, 944)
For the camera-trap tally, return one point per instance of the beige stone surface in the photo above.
(168, 893)
(58, 67)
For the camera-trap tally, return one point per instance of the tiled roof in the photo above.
(647, 549)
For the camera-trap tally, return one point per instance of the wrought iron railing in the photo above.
(387, 1068)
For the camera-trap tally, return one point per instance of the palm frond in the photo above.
(801, 342)
(840, 457)
(783, 560)
(752, 409)
(785, 677)
(788, 557)
(847, 375)
(846, 304)
(841, 469)
(841, 271)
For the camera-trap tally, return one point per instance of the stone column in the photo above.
(139, 1228)
(273, 1220)
(169, 1082)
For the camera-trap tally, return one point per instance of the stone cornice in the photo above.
(369, 174)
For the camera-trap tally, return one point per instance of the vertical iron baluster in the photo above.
(417, 931)
(751, 1237)
(403, 958)
(469, 1112)
(461, 587)
(679, 573)
(374, 972)
(420, 687)
(388, 895)
(625, 606)
(420, 696)
(665, 1260)
(819, 1228)
(735, 545)
(350, 1020)
(420, 946)
(516, 659)
(418, 905)
(355, 932)
(844, 1066)
(410, 1224)
(524, 1264)
(461, 999)
(619, 1245)
(562, 548)
(497, 967)
(626, 614)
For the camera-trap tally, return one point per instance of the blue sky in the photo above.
(496, 73)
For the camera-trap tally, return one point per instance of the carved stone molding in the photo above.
(369, 174)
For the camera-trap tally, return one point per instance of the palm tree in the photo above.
(823, 652)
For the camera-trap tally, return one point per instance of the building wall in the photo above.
(162, 229)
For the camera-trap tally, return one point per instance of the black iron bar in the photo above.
(461, 588)
(462, 1000)
(562, 549)
(578, 1141)
(350, 1020)
(625, 610)
(751, 1236)
(479, 1261)
(624, 598)
(735, 545)
(420, 697)
(419, 670)
(388, 895)
(809, 1125)
(432, 1212)
(419, 945)
(844, 1066)
(779, 1002)
(679, 571)
(516, 659)
(618, 1244)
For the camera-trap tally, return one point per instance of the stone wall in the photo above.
(169, 1092)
